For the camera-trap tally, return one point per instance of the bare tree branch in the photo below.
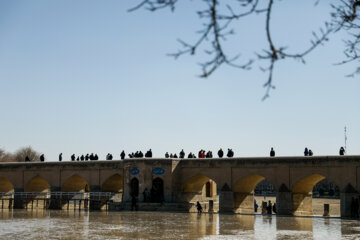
(218, 27)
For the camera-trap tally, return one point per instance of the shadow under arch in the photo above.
(302, 195)
(114, 184)
(203, 189)
(75, 183)
(74, 192)
(5, 186)
(6, 193)
(40, 189)
(157, 190)
(244, 193)
(37, 184)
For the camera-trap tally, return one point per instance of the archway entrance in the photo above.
(327, 193)
(75, 193)
(250, 189)
(38, 192)
(134, 187)
(202, 189)
(157, 190)
(114, 184)
(323, 191)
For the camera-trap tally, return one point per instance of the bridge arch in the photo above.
(157, 190)
(244, 190)
(75, 183)
(302, 194)
(37, 184)
(203, 189)
(200, 183)
(6, 186)
(113, 184)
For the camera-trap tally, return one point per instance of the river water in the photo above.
(37, 224)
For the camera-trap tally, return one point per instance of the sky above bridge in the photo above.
(87, 76)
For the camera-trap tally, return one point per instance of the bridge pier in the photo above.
(226, 199)
(284, 201)
(55, 199)
(347, 199)
(18, 200)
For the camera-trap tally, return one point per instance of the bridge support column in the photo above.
(284, 205)
(55, 198)
(95, 201)
(19, 202)
(226, 199)
(348, 201)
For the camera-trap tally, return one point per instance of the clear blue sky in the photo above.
(87, 76)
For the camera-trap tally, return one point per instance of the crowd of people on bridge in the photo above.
(139, 154)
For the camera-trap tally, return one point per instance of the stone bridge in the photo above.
(225, 185)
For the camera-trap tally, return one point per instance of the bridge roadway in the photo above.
(224, 185)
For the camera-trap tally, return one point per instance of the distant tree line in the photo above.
(20, 155)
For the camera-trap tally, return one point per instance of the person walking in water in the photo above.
(198, 207)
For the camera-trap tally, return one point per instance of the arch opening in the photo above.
(134, 187)
(114, 184)
(75, 193)
(37, 184)
(157, 190)
(6, 186)
(310, 194)
(75, 183)
(203, 189)
(254, 194)
(326, 192)
(37, 190)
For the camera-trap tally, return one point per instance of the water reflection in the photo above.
(45, 224)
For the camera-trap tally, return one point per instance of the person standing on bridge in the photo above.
(272, 152)
(311, 153)
(73, 157)
(230, 153)
(60, 157)
(182, 154)
(342, 151)
(42, 158)
(220, 153)
(122, 155)
(306, 152)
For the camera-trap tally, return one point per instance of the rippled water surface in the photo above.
(22, 224)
